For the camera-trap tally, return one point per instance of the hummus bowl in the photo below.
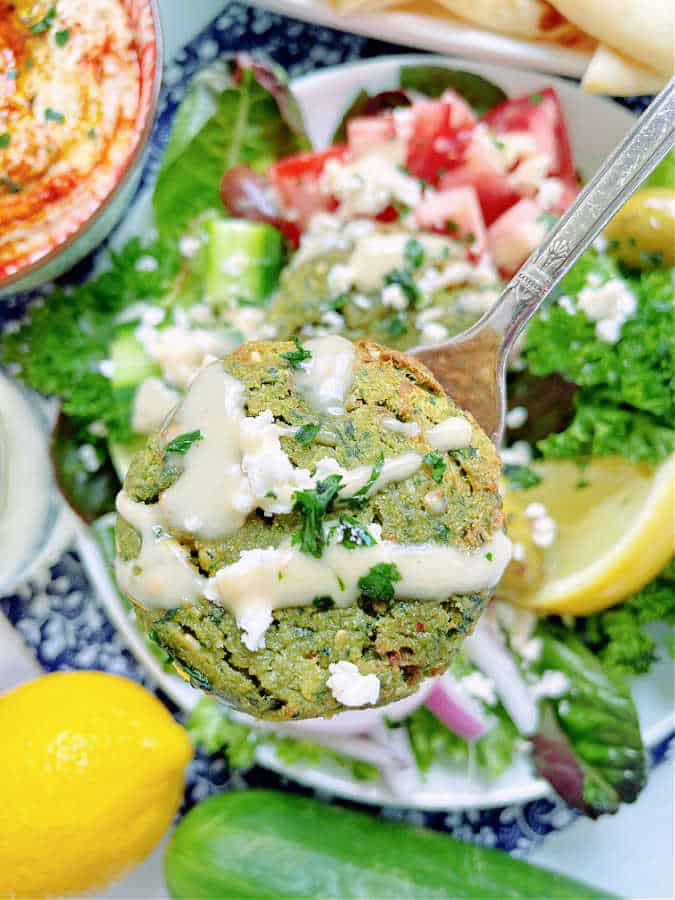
(79, 85)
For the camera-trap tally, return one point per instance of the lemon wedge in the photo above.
(614, 532)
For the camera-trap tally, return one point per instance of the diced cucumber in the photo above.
(242, 261)
(131, 363)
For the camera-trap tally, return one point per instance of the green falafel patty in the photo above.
(316, 527)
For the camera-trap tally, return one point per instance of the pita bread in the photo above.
(351, 7)
(640, 29)
(611, 73)
(533, 20)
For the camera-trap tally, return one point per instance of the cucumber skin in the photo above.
(267, 845)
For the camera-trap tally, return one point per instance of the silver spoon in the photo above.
(472, 365)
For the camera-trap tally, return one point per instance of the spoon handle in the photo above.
(622, 172)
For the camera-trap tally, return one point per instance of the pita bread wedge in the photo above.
(352, 7)
(612, 73)
(640, 29)
(533, 20)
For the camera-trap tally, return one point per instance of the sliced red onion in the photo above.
(487, 651)
(457, 711)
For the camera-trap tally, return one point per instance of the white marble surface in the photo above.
(630, 854)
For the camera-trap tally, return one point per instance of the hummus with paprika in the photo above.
(69, 99)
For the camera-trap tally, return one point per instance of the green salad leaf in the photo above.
(59, 348)
(626, 401)
(589, 744)
(619, 636)
(664, 174)
(479, 93)
(238, 112)
(432, 742)
(209, 727)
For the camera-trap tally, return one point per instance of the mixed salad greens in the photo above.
(237, 189)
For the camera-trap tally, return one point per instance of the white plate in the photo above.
(440, 35)
(595, 125)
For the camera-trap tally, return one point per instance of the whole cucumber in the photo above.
(267, 844)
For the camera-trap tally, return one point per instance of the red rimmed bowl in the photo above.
(63, 217)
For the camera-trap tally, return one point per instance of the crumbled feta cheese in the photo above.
(531, 172)
(551, 684)
(516, 146)
(368, 184)
(392, 296)
(350, 687)
(153, 401)
(333, 320)
(180, 351)
(339, 279)
(480, 686)
(188, 245)
(88, 456)
(567, 304)
(146, 264)
(519, 454)
(433, 333)
(272, 477)
(550, 193)
(516, 417)
(251, 322)
(253, 622)
(373, 257)
(403, 122)
(609, 305)
(544, 531)
(360, 301)
(477, 302)
(535, 510)
(107, 368)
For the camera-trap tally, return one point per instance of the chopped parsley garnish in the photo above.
(451, 227)
(339, 302)
(12, 186)
(378, 584)
(45, 23)
(61, 37)
(313, 506)
(297, 356)
(183, 442)
(521, 477)
(51, 115)
(353, 534)
(4, 140)
(323, 602)
(395, 327)
(91, 134)
(437, 465)
(489, 556)
(360, 498)
(413, 253)
(535, 98)
(405, 281)
(442, 532)
(306, 433)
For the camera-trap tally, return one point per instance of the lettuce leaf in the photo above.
(431, 741)
(588, 745)
(211, 728)
(478, 92)
(238, 112)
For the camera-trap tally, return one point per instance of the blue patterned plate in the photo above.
(58, 614)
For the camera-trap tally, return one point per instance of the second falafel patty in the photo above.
(316, 527)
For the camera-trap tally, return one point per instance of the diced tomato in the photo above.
(435, 143)
(296, 180)
(457, 213)
(540, 115)
(366, 132)
(461, 114)
(515, 235)
(494, 192)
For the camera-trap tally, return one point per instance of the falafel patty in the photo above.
(316, 527)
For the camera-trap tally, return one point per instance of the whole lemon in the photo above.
(91, 777)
